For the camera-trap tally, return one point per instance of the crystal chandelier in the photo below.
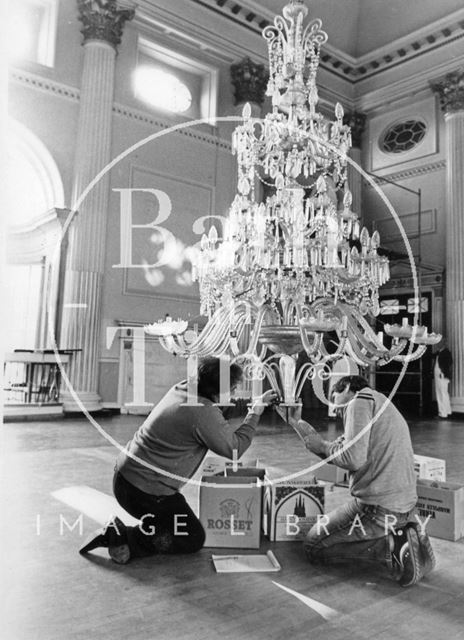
(295, 267)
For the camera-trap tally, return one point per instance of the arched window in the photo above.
(35, 191)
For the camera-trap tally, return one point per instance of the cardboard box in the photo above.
(430, 468)
(444, 503)
(332, 473)
(290, 508)
(231, 514)
(214, 465)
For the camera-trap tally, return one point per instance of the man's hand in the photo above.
(263, 401)
(310, 437)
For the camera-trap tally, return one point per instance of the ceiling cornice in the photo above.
(254, 17)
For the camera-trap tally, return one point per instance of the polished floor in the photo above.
(54, 472)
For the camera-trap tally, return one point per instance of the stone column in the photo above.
(102, 29)
(450, 90)
(357, 122)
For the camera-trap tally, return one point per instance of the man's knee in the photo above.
(192, 542)
(318, 531)
(313, 548)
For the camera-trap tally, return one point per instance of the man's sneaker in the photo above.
(426, 554)
(410, 559)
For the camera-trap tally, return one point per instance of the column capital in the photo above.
(104, 19)
(250, 81)
(450, 89)
(357, 121)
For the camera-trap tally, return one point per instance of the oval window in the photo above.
(162, 89)
(403, 136)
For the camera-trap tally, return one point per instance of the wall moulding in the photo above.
(46, 85)
(397, 90)
(440, 165)
(147, 118)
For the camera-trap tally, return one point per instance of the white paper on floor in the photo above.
(95, 504)
(323, 610)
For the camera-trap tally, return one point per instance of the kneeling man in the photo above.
(162, 456)
(378, 524)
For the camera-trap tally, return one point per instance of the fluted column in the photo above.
(451, 92)
(102, 29)
(357, 122)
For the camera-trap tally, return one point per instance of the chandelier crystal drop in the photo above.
(295, 265)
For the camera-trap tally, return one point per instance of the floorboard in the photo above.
(49, 592)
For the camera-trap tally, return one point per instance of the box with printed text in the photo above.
(231, 508)
(430, 468)
(290, 508)
(214, 465)
(443, 504)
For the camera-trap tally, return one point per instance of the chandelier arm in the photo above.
(271, 376)
(371, 344)
(358, 348)
(394, 351)
(330, 357)
(213, 339)
(415, 355)
(256, 330)
(358, 359)
(302, 375)
(169, 343)
(314, 33)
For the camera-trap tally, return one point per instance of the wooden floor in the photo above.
(50, 592)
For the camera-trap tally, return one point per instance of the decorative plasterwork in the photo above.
(410, 173)
(250, 81)
(450, 90)
(32, 241)
(103, 20)
(44, 84)
(357, 121)
(254, 17)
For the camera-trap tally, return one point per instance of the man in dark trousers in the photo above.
(378, 524)
(162, 456)
(442, 376)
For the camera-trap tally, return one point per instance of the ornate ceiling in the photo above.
(365, 36)
(359, 27)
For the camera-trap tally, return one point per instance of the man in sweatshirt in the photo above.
(163, 455)
(377, 524)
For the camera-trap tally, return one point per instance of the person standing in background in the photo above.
(442, 375)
